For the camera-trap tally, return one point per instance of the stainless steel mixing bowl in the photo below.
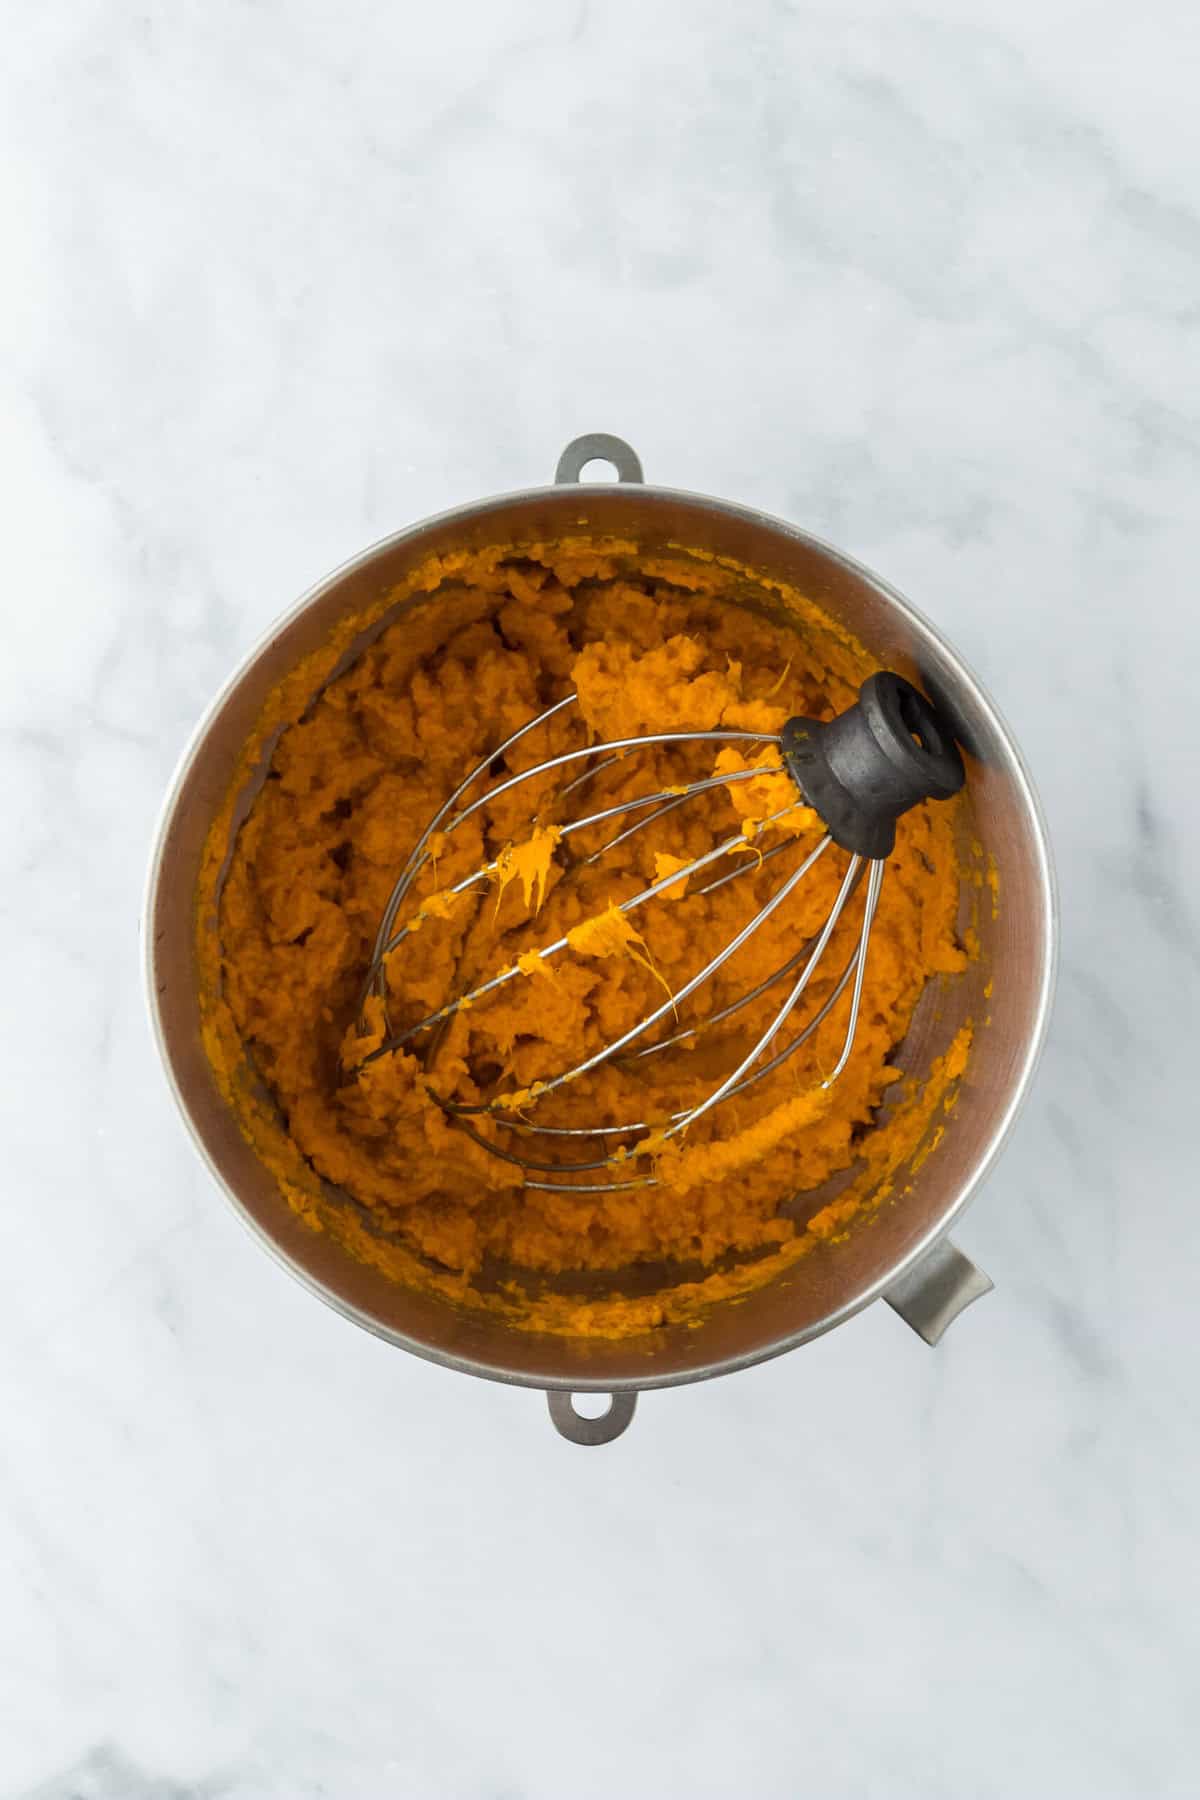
(905, 1257)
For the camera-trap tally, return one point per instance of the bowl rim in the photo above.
(1024, 1069)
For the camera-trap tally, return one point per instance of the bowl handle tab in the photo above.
(598, 446)
(581, 1430)
(933, 1293)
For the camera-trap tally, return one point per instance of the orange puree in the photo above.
(370, 747)
(528, 862)
(611, 933)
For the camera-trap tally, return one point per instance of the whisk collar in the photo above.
(873, 762)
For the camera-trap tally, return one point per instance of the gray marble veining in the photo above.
(280, 279)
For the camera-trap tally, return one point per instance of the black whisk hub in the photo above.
(877, 760)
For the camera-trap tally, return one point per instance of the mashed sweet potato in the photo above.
(362, 752)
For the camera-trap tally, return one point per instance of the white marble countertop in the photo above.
(280, 279)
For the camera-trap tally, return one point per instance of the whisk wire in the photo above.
(859, 772)
(418, 857)
(669, 1005)
(396, 1041)
(487, 870)
(874, 883)
(640, 1126)
(719, 1093)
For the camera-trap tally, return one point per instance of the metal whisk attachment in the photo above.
(859, 772)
